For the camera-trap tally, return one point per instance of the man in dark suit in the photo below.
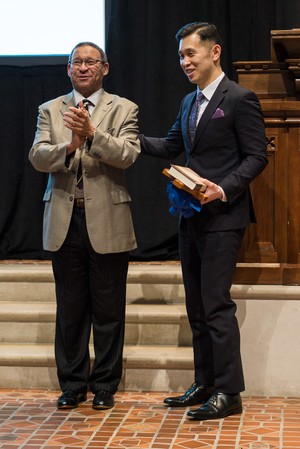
(87, 223)
(221, 129)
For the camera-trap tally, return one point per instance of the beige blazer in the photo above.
(115, 147)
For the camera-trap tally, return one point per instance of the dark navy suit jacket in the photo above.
(229, 149)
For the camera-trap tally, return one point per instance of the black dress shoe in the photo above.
(70, 399)
(218, 406)
(196, 394)
(103, 400)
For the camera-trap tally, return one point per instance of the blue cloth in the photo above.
(182, 201)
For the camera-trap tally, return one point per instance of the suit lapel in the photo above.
(102, 108)
(67, 101)
(210, 109)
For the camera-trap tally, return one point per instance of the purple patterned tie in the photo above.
(194, 115)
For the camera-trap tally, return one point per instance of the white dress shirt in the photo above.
(208, 92)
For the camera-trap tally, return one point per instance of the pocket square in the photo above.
(218, 113)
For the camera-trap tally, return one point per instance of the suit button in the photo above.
(73, 172)
(71, 198)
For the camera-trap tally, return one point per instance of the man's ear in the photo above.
(216, 52)
(105, 68)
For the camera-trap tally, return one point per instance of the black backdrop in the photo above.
(144, 67)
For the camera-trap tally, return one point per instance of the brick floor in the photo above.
(29, 420)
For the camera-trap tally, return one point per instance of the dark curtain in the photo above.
(144, 67)
(22, 188)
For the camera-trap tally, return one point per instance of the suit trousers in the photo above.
(90, 294)
(208, 262)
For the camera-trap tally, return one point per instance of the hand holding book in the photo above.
(186, 179)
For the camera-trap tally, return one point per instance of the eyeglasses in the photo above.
(88, 63)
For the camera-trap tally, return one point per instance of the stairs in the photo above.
(157, 353)
(157, 337)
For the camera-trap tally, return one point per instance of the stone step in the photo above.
(23, 311)
(157, 353)
(34, 322)
(269, 343)
(148, 293)
(144, 367)
(142, 356)
(159, 283)
(34, 282)
(137, 273)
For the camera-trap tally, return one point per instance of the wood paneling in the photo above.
(271, 249)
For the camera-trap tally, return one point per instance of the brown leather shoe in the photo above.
(196, 394)
(70, 399)
(218, 406)
(103, 400)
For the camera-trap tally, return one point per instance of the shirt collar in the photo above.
(94, 98)
(209, 90)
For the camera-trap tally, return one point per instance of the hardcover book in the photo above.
(188, 177)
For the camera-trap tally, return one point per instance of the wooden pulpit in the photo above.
(271, 247)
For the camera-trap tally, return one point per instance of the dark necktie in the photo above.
(194, 115)
(79, 185)
(86, 103)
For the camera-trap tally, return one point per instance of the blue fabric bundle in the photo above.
(182, 201)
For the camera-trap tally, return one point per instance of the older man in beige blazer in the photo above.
(85, 140)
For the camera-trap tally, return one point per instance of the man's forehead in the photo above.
(191, 42)
(84, 49)
(187, 44)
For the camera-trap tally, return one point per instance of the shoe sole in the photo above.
(102, 407)
(187, 405)
(236, 411)
(66, 407)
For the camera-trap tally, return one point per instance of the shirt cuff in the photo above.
(223, 198)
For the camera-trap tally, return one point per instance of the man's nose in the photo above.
(83, 66)
(185, 63)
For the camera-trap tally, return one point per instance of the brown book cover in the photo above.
(188, 177)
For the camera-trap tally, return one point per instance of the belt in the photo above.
(79, 202)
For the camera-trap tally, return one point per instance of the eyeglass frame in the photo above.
(88, 63)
